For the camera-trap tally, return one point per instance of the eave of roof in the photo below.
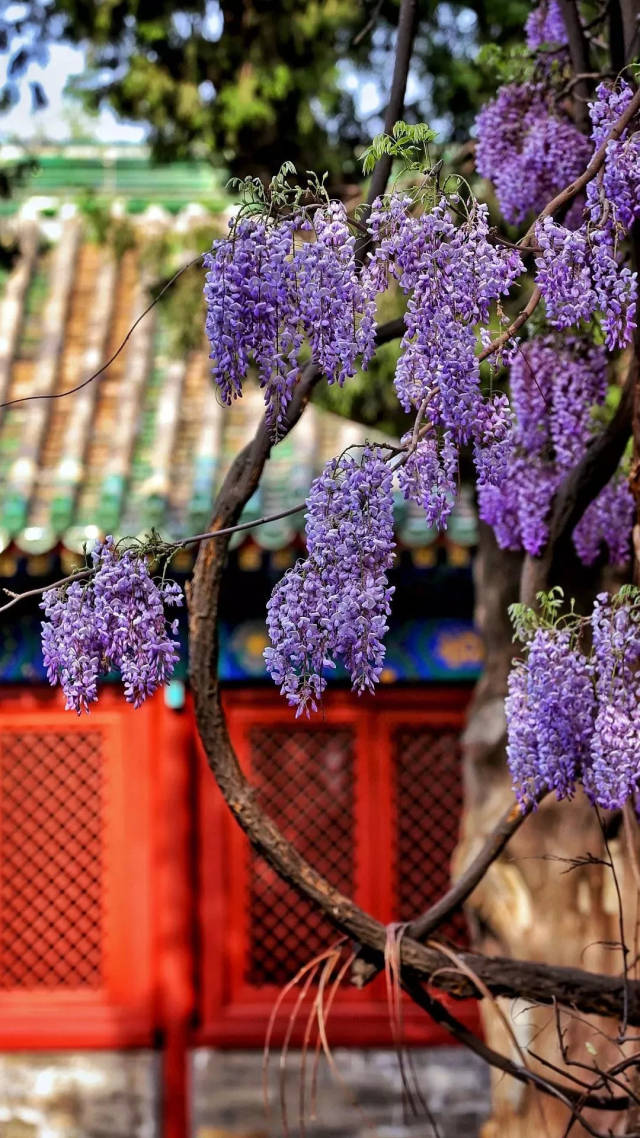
(147, 443)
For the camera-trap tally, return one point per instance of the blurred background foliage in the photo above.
(255, 82)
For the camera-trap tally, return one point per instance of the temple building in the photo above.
(133, 915)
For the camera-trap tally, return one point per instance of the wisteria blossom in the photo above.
(113, 621)
(574, 717)
(555, 386)
(550, 714)
(580, 272)
(545, 25)
(272, 283)
(528, 148)
(335, 604)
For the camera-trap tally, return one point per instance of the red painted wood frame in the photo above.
(234, 1008)
(95, 876)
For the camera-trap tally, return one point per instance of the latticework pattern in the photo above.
(428, 790)
(50, 859)
(306, 783)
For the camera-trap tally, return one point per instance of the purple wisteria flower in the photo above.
(580, 271)
(115, 620)
(550, 712)
(494, 444)
(335, 604)
(452, 274)
(272, 283)
(576, 718)
(554, 386)
(545, 25)
(607, 522)
(429, 477)
(528, 149)
(611, 776)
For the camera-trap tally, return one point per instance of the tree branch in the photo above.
(566, 1094)
(570, 191)
(556, 203)
(363, 970)
(495, 842)
(579, 55)
(630, 18)
(395, 106)
(588, 992)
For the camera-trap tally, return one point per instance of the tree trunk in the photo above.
(532, 904)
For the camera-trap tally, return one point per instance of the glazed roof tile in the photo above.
(147, 443)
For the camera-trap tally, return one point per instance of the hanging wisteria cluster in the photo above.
(274, 283)
(528, 148)
(545, 26)
(335, 604)
(113, 620)
(580, 271)
(555, 383)
(574, 716)
(452, 274)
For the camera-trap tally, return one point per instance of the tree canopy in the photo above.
(255, 83)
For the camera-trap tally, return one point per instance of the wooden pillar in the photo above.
(175, 908)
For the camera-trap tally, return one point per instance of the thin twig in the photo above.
(103, 367)
(443, 1016)
(82, 574)
(574, 188)
(237, 528)
(561, 199)
(623, 946)
(515, 326)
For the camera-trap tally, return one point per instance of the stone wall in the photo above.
(228, 1099)
(80, 1094)
(96, 1094)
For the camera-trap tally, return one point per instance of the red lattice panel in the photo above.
(50, 859)
(306, 783)
(428, 790)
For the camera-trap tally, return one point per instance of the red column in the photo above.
(175, 909)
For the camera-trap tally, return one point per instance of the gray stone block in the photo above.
(228, 1102)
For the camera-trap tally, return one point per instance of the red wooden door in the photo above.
(370, 792)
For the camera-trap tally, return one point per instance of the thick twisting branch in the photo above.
(364, 970)
(590, 993)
